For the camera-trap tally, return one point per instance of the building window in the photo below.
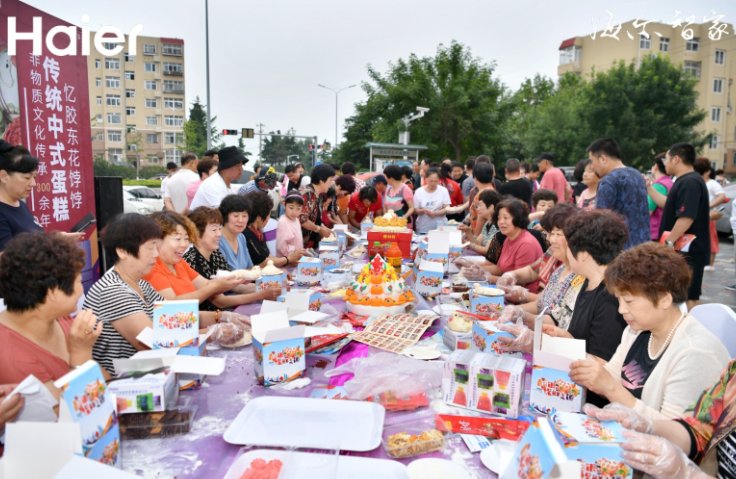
(150, 67)
(173, 86)
(570, 55)
(664, 44)
(173, 120)
(173, 138)
(152, 138)
(173, 154)
(132, 147)
(150, 84)
(128, 57)
(112, 100)
(130, 110)
(99, 100)
(718, 85)
(112, 82)
(172, 49)
(129, 93)
(151, 120)
(97, 63)
(151, 103)
(98, 82)
(715, 114)
(116, 154)
(129, 75)
(692, 68)
(720, 57)
(645, 42)
(173, 69)
(714, 142)
(693, 45)
(130, 128)
(149, 49)
(98, 118)
(114, 135)
(173, 103)
(110, 45)
(114, 118)
(112, 63)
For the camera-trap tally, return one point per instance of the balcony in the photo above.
(174, 89)
(173, 73)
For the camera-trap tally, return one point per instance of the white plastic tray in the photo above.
(303, 465)
(308, 423)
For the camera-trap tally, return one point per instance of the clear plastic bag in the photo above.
(389, 373)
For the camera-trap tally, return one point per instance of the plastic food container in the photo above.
(159, 424)
(412, 436)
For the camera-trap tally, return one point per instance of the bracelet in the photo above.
(217, 316)
(287, 261)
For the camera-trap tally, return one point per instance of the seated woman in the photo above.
(519, 248)
(362, 202)
(205, 258)
(485, 207)
(698, 445)
(41, 283)
(173, 278)
(559, 296)
(234, 211)
(666, 357)
(259, 209)
(398, 196)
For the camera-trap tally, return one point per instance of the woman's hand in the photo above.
(658, 457)
(295, 256)
(623, 415)
(226, 284)
(271, 293)
(523, 338)
(555, 331)
(516, 294)
(82, 336)
(9, 408)
(592, 375)
(324, 231)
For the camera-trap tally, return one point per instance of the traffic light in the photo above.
(229, 132)
(247, 133)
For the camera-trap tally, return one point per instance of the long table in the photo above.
(203, 453)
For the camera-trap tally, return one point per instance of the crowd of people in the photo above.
(586, 258)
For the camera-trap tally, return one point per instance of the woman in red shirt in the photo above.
(362, 202)
(454, 189)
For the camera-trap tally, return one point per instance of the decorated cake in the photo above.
(390, 222)
(378, 290)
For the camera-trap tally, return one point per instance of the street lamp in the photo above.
(336, 91)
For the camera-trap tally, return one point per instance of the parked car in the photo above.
(150, 198)
(723, 225)
(131, 204)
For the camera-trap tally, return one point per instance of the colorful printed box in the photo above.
(569, 446)
(429, 278)
(330, 257)
(148, 393)
(497, 384)
(489, 305)
(300, 300)
(456, 378)
(175, 324)
(551, 387)
(86, 400)
(485, 338)
(308, 271)
(455, 340)
(271, 281)
(278, 348)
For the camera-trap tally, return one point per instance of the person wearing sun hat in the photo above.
(216, 187)
(265, 181)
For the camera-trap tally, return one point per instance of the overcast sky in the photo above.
(267, 57)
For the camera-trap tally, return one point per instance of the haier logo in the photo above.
(106, 35)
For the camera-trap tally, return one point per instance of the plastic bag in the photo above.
(229, 335)
(511, 314)
(389, 373)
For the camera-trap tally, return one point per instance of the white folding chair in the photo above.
(720, 320)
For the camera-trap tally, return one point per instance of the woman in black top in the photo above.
(259, 210)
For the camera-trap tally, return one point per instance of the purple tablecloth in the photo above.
(203, 453)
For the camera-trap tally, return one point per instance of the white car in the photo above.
(131, 204)
(146, 196)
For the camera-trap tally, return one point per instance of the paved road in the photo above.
(714, 282)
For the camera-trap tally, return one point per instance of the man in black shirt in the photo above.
(686, 211)
(516, 185)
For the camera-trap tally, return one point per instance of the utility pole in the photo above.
(207, 68)
(260, 140)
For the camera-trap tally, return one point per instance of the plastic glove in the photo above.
(517, 294)
(511, 314)
(473, 273)
(232, 317)
(462, 262)
(658, 457)
(623, 415)
(226, 334)
(524, 340)
(506, 281)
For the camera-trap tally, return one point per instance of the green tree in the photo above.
(277, 149)
(195, 129)
(464, 99)
(646, 109)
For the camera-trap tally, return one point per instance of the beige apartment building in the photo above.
(699, 48)
(137, 105)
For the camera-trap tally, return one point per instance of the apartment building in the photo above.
(137, 102)
(699, 48)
